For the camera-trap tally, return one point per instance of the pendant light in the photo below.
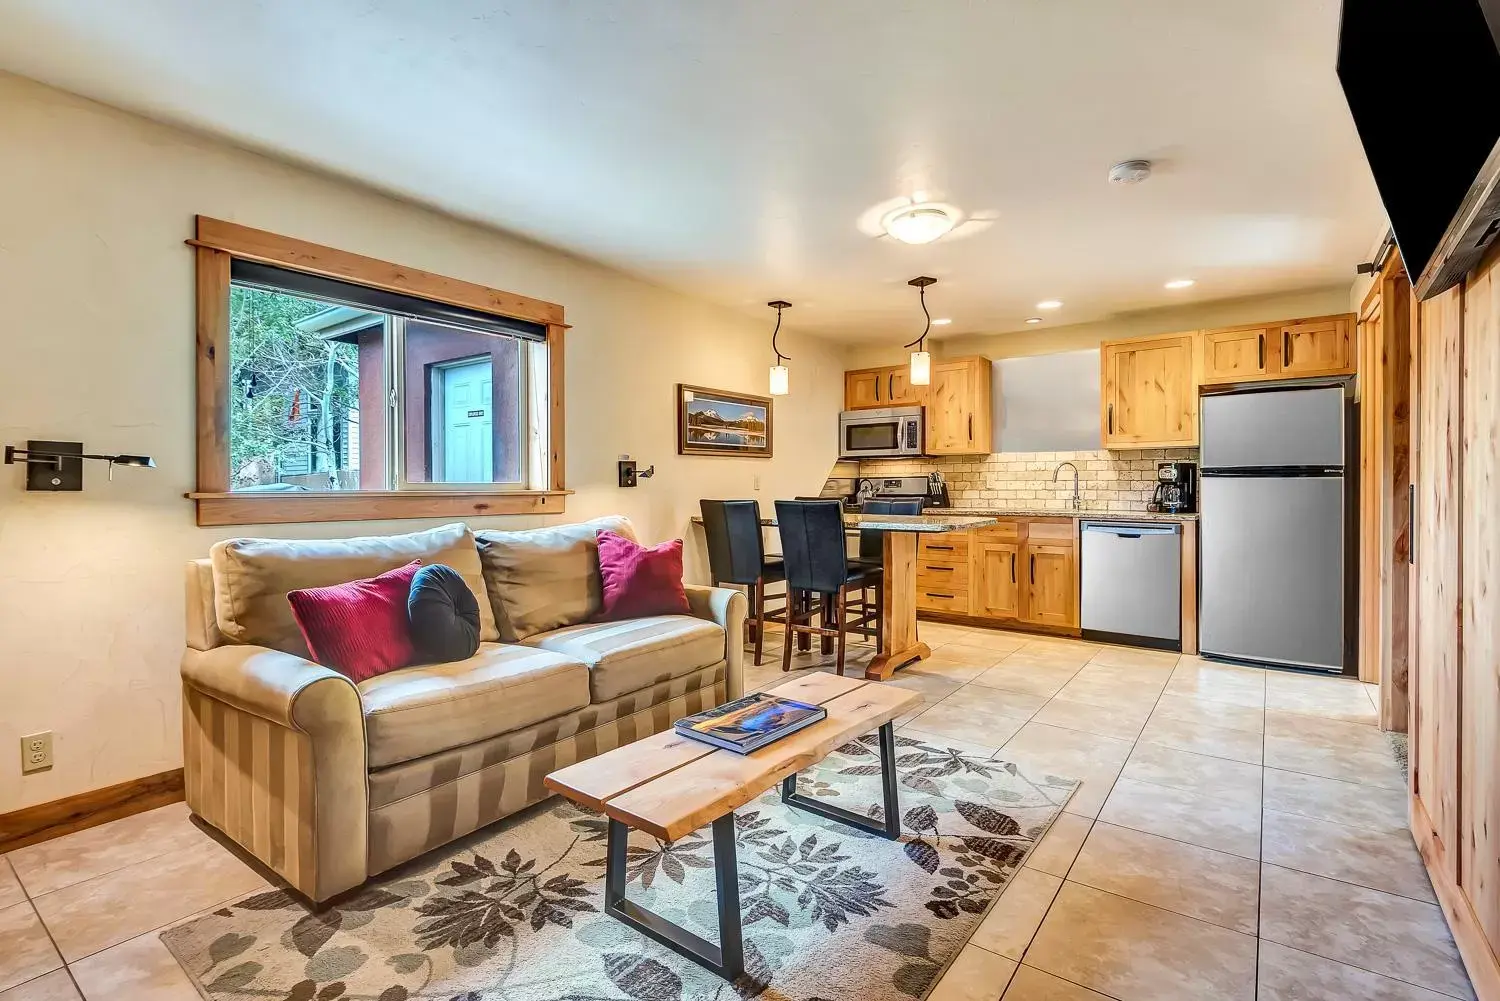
(780, 378)
(921, 361)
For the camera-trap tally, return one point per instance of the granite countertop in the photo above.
(948, 521)
(1083, 513)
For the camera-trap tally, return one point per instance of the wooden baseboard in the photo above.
(45, 821)
(1009, 625)
(1479, 959)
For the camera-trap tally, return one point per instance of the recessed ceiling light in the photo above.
(1180, 283)
(1033, 319)
(1049, 304)
(941, 323)
(921, 223)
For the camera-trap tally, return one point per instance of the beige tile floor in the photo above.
(1238, 834)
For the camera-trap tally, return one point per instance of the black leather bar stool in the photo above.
(817, 563)
(872, 550)
(737, 555)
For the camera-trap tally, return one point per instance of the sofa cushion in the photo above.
(422, 710)
(545, 578)
(358, 628)
(253, 576)
(443, 614)
(627, 656)
(640, 580)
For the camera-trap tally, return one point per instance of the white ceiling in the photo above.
(729, 148)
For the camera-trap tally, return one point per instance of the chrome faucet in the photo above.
(1077, 503)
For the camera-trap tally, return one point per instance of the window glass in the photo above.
(462, 407)
(306, 394)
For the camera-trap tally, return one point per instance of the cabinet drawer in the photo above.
(938, 600)
(1004, 531)
(1056, 531)
(942, 577)
(944, 546)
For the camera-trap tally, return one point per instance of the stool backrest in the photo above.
(736, 553)
(812, 544)
(872, 543)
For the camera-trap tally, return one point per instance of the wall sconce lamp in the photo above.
(58, 465)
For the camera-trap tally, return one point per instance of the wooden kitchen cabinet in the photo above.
(1289, 349)
(1051, 589)
(1238, 354)
(1317, 347)
(959, 415)
(997, 592)
(1150, 392)
(887, 386)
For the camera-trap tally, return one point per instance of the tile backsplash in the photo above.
(1107, 480)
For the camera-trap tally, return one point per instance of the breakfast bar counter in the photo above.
(900, 645)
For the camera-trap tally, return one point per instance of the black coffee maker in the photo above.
(1176, 488)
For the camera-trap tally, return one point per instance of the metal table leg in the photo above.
(891, 828)
(727, 959)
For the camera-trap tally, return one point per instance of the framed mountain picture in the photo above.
(715, 422)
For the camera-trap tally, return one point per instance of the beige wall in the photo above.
(97, 327)
(1048, 339)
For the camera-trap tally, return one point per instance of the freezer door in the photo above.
(1283, 427)
(1272, 562)
(1131, 580)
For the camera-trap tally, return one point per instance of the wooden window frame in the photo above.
(216, 244)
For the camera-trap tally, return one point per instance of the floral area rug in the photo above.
(515, 912)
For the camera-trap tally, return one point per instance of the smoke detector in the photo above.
(1130, 172)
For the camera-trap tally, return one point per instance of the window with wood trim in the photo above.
(334, 387)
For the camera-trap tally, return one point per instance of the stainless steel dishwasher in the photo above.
(1131, 582)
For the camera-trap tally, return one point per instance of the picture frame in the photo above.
(718, 422)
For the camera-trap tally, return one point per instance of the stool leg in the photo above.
(825, 644)
(759, 587)
(839, 623)
(804, 640)
(880, 615)
(791, 621)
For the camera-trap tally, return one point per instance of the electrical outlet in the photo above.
(36, 752)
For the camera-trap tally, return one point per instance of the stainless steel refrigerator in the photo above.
(1276, 559)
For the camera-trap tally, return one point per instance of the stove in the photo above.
(930, 490)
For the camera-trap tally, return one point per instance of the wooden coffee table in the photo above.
(670, 786)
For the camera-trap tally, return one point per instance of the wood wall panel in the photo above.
(1434, 747)
(1479, 684)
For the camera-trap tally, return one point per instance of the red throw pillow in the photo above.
(360, 628)
(640, 580)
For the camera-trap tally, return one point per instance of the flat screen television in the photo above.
(1422, 78)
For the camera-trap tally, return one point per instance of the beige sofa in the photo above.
(328, 782)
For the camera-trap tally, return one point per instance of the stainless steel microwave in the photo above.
(881, 434)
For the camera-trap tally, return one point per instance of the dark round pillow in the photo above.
(444, 616)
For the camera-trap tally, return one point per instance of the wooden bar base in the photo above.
(900, 644)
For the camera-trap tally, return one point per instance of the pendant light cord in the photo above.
(918, 342)
(779, 355)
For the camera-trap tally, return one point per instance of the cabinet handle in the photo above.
(945, 549)
(1012, 568)
(942, 569)
(1286, 348)
(890, 386)
(933, 594)
(1110, 410)
(1411, 530)
(1260, 351)
(971, 427)
(877, 389)
(1033, 568)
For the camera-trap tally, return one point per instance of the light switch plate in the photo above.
(36, 752)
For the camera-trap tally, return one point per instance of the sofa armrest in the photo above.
(274, 755)
(728, 608)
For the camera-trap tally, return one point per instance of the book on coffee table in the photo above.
(751, 722)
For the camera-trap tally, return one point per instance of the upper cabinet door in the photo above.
(959, 420)
(864, 388)
(1320, 347)
(899, 390)
(1150, 393)
(1239, 354)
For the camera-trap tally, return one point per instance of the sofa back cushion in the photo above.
(545, 578)
(253, 576)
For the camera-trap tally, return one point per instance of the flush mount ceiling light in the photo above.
(921, 361)
(920, 223)
(1130, 172)
(941, 322)
(1033, 319)
(1049, 304)
(1180, 283)
(780, 377)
